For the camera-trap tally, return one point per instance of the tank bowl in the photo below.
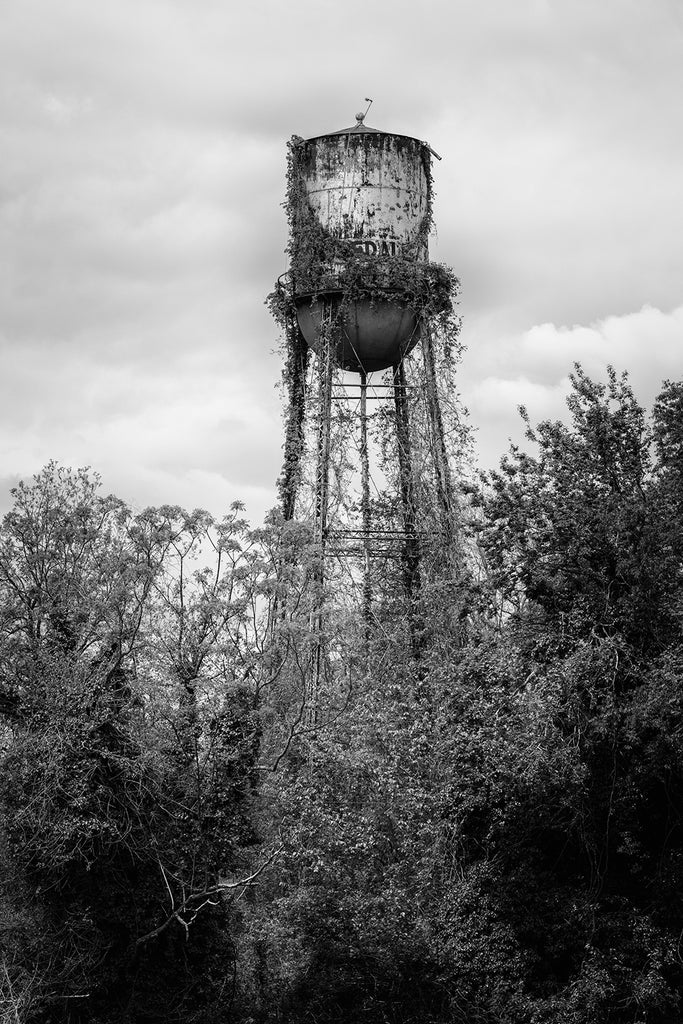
(366, 334)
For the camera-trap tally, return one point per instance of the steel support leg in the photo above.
(297, 363)
(444, 488)
(365, 507)
(411, 553)
(322, 487)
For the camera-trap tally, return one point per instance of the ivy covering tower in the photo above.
(363, 297)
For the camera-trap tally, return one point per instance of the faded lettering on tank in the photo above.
(375, 246)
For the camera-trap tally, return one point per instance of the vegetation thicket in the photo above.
(487, 831)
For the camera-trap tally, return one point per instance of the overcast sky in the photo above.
(141, 182)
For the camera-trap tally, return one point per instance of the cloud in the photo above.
(494, 399)
(181, 425)
(646, 343)
(140, 221)
(532, 369)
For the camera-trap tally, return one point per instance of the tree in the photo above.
(488, 830)
(495, 834)
(128, 758)
(583, 545)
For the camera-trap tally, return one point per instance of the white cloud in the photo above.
(495, 399)
(61, 110)
(140, 223)
(532, 369)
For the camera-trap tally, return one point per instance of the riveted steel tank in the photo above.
(371, 190)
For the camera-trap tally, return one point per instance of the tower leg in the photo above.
(322, 487)
(295, 372)
(365, 508)
(290, 476)
(444, 488)
(411, 551)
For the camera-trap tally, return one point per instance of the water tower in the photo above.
(362, 295)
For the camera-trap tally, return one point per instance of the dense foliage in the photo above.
(490, 832)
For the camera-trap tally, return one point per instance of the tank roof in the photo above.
(364, 129)
(360, 129)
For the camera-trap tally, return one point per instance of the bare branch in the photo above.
(204, 897)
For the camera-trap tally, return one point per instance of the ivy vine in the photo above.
(322, 261)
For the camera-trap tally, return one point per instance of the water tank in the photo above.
(359, 236)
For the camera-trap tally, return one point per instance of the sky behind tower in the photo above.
(141, 224)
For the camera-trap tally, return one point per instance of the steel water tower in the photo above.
(361, 295)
